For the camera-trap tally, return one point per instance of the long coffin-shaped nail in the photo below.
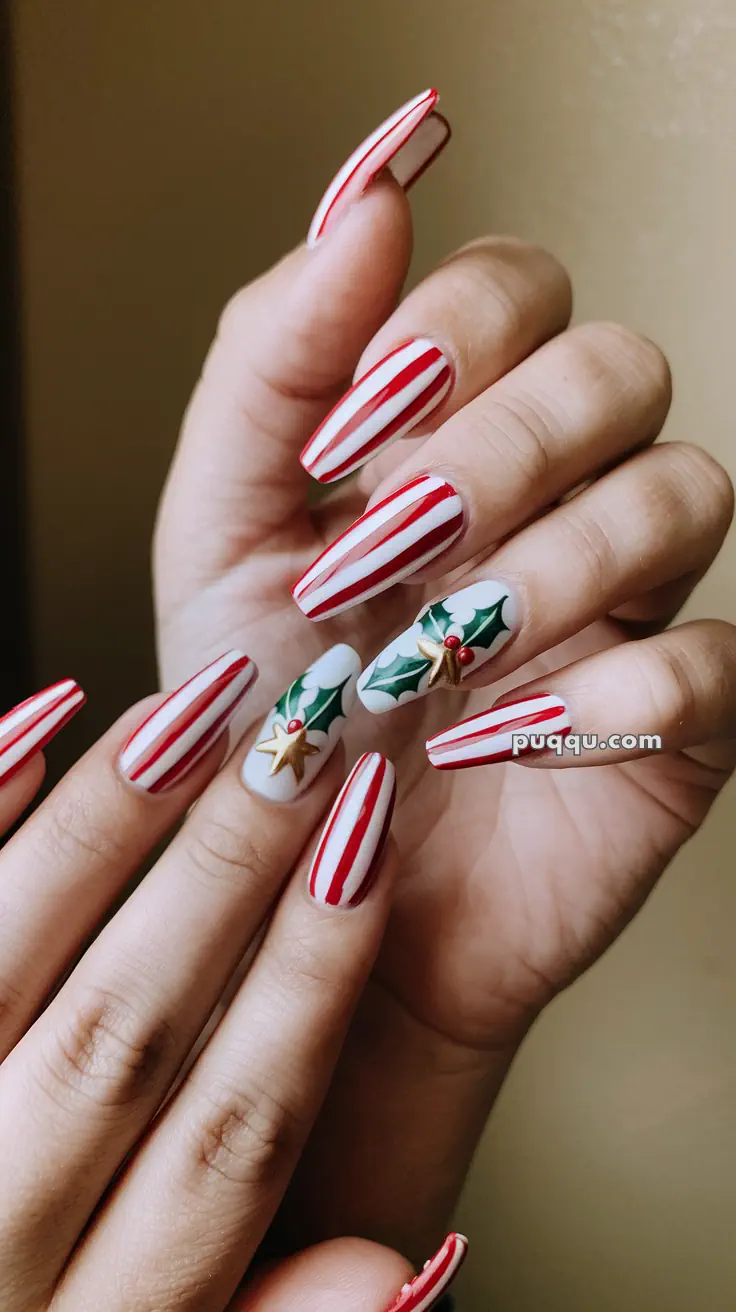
(394, 539)
(489, 736)
(422, 1292)
(396, 395)
(448, 640)
(30, 725)
(354, 837)
(171, 741)
(406, 143)
(302, 730)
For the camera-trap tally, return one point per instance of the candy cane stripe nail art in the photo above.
(422, 1292)
(31, 724)
(168, 744)
(487, 737)
(396, 395)
(407, 142)
(354, 837)
(394, 539)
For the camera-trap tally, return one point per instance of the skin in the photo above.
(493, 915)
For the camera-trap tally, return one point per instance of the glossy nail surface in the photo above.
(448, 640)
(31, 724)
(406, 142)
(170, 742)
(302, 730)
(391, 541)
(422, 1292)
(488, 736)
(353, 839)
(396, 395)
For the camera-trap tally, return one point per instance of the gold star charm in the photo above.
(445, 665)
(288, 749)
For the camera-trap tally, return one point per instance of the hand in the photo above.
(513, 879)
(124, 1183)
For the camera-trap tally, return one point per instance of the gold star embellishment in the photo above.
(288, 749)
(445, 665)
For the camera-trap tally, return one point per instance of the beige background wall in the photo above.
(168, 150)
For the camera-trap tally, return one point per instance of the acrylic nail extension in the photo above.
(302, 730)
(394, 539)
(396, 395)
(422, 1292)
(354, 837)
(406, 143)
(448, 640)
(31, 724)
(171, 741)
(488, 736)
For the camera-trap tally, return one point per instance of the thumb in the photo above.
(333, 1276)
(286, 346)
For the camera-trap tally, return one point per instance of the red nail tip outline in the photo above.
(174, 737)
(423, 1291)
(395, 538)
(354, 837)
(27, 728)
(486, 738)
(397, 394)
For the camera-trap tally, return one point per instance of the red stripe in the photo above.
(53, 729)
(369, 878)
(432, 98)
(518, 722)
(427, 1280)
(181, 767)
(361, 455)
(400, 380)
(357, 834)
(186, 718)
(333, 819)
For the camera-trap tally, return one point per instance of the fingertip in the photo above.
(330, 1277)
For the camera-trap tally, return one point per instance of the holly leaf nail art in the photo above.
(288, 704)
(485, 626)
(435, 620)
(403, 674)
(326, 707)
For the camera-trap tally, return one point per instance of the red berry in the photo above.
(294, 725)
(465, 656)
(452, 641)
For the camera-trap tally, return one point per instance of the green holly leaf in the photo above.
(403, 674)
(325, 708)
(435, 621)
(485, 626)
(287, 706)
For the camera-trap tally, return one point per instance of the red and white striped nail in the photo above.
(406, 143)
(422, 1292)
(171, 741)
(31, 724)
(396, 395)
(392, 540)
(351, 846)
(488, 736)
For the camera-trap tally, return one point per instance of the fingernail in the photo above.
(488, 736)
(353, 840)
(437, 1276)
(301, 732)
(396, 395)
(394, 539)
(170, 742)
(32, 723)
(407, 143)
(448, 640)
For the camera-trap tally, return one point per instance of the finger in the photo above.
(224, 1150)
(585, 398)
(284, 348)
(660, 516)
(73, 857)
(473, 319)
(24, 732)
(99, 1062)
(670, 692)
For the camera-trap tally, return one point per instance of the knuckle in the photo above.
(105, 1052)
(220, 853)
(517, 431)
(708, 485)
(299, 964)
(612, 347)
(72, 832)
(244, 1134)
(665, 676)
(593, 551)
